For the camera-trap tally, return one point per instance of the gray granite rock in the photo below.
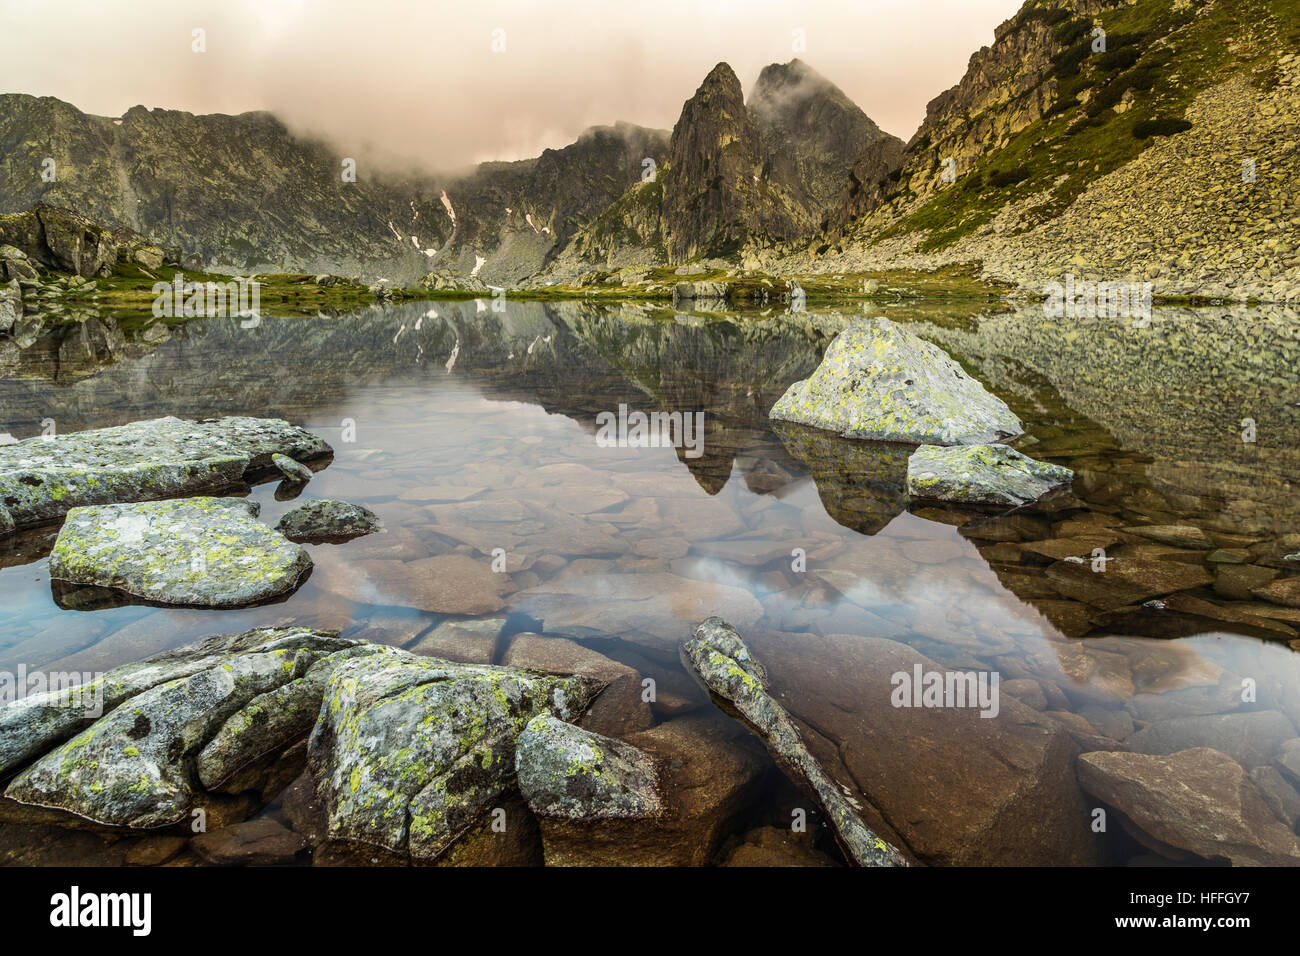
(880, 381)
(719, 656)
(328, 520)
(202, 552)
(565, 771)
(410, 753)
(42, 479)
(981, 474)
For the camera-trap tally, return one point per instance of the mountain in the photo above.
(718, 193)
(740, 177)
(1117, 162)
(247, 193)
(813, 133)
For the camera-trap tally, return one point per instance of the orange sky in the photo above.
(420, 80)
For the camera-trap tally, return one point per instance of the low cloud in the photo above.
(421, 82)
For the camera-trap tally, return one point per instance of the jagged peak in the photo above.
(721, 78)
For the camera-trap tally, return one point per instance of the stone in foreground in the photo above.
(411, 753)
(326, 520)
(1198, 800)
(135, 766)
(42, 479)
(719, 655)
(879, 381)
(981, 474)
(199, 552)
(565, 771)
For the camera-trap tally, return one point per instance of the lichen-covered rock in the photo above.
(711, 772)
(135, 765)
(328, 520)
(269, 720)
(42, 478)
(62, 239)
(879, 381)
(11, 305)
(719, 655)
(981, 474)
(202, 552)
(290, 469)
(32, 724)
(565, 771)
(409, 753)
(6, 522)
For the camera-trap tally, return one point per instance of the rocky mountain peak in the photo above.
(717, 194)
(813, 132)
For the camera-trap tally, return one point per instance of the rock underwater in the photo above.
(326, 520)
(880, 381)
(981, 474)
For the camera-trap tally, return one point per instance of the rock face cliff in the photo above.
(716, 193)
(740, 176)
(814, 135)
(1120, 140)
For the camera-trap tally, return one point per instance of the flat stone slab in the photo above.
(1197, 800)
(201, 552)
(879, 381)
(42, 479)
(981, 474)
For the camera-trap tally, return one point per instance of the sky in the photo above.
(444, 85)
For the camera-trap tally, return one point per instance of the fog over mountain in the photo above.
(433, 91)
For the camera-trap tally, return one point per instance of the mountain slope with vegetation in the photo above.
(1148, 141)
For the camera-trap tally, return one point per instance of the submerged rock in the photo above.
(328, 520)
(981, 474)
(1199, 800)
(565, 771)
(203, 552)
(621, 708)
(410, 753)
(135, 766)
(877, 380)
(944, 784)
(11, 305)
(724, 663)
(41, 479)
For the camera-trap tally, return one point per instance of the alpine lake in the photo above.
(1121, 616)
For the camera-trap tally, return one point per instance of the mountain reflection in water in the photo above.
(475, 430)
